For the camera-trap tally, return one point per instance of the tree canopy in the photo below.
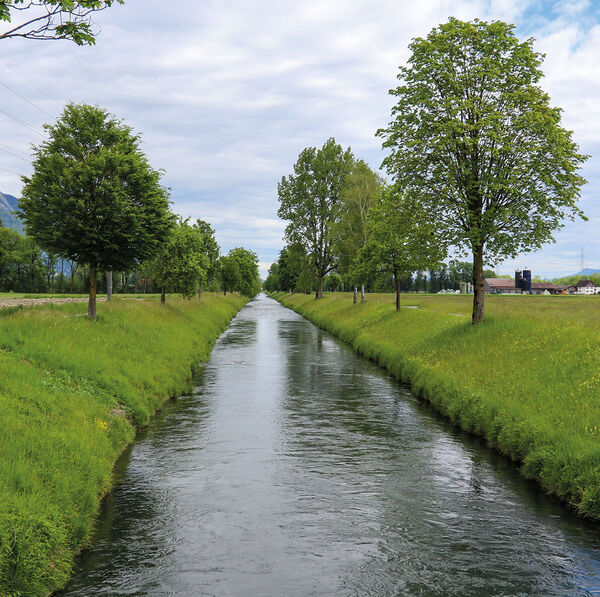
(401, 239)
(310, 201)
(474, 137)
(52, 19)
(93, 197)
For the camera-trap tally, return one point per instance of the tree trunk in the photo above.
(224, 290)
(362, 293)
(478, 290)
(109, 286)
(397, 285)
(92, 299)
(200, 290)
(319, 293)
(354, 296)
(163, 295)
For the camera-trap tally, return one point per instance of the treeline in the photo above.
(25, 267)
(292, 273)
(348, 228)
(478, 161)
(94, 210)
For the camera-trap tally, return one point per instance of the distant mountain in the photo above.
(8, 204)
(587, 272)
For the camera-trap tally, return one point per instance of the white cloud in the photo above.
(227, 94)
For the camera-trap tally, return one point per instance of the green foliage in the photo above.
(208, 247)
(401, 239)
(310, 199)
(361, 189)
(475, 138)
(526, 379)
(93, 197)
(247, 265)
(72, 392)
(182, 262)
(53, 19)
(231, 276)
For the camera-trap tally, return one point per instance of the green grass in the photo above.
(72, 392)
(527, 379)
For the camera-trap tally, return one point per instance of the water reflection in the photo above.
(297, 468)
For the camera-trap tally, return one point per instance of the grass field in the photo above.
(72, 392)
(527, 378)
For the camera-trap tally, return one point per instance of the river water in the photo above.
(297, 468)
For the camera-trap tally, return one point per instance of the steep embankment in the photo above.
(71, 395)
(527, 379)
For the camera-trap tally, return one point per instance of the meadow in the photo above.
(527, 379)
(72, 393)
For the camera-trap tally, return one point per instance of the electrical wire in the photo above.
(22, 122)
(25, 99)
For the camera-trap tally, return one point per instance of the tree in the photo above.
(208, 247)
(474, 137)
(53, 19)
(402, 239)
(360, 191)
(247, 262)
(230, 273)
(310, 200)
(181, 263)
(93, 197)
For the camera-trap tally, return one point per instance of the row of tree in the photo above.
(94, 201)
(478, 163)
(291, 275)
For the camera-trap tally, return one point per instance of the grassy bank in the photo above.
(527, 379)
(72, 392)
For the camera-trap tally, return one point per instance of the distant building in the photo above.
(522, 284)
(584, 287)
(500, 286)
(546, 288)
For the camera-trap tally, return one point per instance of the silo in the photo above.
(527, 280)
(519, 279)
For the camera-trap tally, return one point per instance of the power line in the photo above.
(13, 154)
(25, 99)
(25, 79)
(11, 171)
(22, 122)
(14, 149)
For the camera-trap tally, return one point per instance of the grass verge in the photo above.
(527, 379)
(72, 392)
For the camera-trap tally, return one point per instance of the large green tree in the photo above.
(402, 239)
(475, 138)
(310, 201)
(209, 248)
(93, 197)
(360, 191)
(180, 264)
(52, 19)
(247, 261)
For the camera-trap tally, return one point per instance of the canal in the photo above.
(297, 468)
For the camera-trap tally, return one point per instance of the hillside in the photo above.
(8, 204)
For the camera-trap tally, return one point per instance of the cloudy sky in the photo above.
(226, 94)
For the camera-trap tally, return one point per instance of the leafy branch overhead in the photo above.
(53, 19)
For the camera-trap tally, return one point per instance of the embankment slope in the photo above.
(527, 379)
(72, 392)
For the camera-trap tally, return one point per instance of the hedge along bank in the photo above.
(527, 379)
(72, 392)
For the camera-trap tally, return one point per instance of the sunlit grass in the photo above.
(527, 378)
(72, 392)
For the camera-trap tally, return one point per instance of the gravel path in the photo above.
(28, 302)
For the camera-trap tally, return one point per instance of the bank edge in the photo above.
(72, 394)
(553, 433)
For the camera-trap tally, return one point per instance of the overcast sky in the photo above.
(226, 95)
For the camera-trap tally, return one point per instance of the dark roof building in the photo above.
(500, 286)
